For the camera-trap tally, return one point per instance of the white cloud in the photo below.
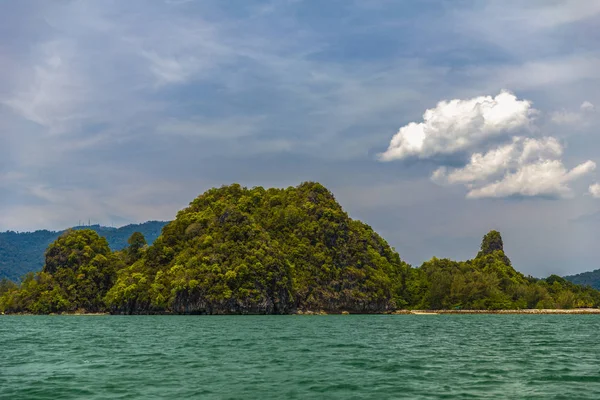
(526, 167)
(459, 125)
(594, 190)
(587, 106)
(581, 116)
(54, 91)
(520, 152)
(544, 178)
(481, 166)
(540, 149)
(566, 117)
(525, 28)
(170, 70)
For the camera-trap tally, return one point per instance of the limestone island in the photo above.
(236, 250)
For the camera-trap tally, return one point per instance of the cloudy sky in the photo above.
(432, 121)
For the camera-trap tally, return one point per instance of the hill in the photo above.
(590, 278)
(23, 252)
(275, 251)
(236, 250)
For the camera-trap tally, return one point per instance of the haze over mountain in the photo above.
(589, 278)
(24, 251)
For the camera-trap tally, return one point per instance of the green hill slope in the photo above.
(21, 253)
(236, 250)
(590, 278)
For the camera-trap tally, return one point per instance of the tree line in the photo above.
(236, 250)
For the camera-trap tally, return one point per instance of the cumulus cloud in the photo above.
(484, 166)
(594, 190)
(518, 166)
(545, 178)
(459, 125)
(525, 167)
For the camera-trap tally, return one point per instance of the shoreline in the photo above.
(546, 311)
(59, 314)
(575, 311)
(524, 311)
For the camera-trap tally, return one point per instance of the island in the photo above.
(237, 250)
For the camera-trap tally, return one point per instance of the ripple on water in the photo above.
(267, 357)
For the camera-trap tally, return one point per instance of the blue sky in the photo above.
(432, 121)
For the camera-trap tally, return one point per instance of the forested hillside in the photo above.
(238, 250)
(489, 282)
(21, 253)
(273, 251)
(591, 278)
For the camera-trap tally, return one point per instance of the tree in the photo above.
(79, 270)
(7, 286)
(239, 250)
(73, 249)
(137, 242)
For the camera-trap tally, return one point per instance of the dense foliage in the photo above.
(21, 253)
(590, 278)
(237, 250)
(489, 282)
(276, 251)
(79, 270)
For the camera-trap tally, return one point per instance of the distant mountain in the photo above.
(590, 278)
(21, 253)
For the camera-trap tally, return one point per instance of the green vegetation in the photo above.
(21, 253)
(590, 278)
(489, 282)
(236, 250)
(79, 270)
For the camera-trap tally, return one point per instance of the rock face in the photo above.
(237, 251)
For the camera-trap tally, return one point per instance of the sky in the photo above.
(432, 121)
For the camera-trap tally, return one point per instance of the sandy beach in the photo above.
(527, 311)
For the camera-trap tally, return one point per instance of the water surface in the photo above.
(264, 357)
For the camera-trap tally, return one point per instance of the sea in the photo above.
(300, 357)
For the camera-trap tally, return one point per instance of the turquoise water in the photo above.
(262, 357)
